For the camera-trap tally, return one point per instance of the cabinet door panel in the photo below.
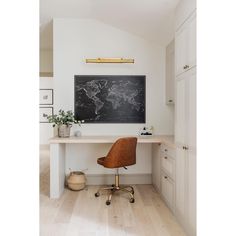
(180, 111)
(191, 109)
(183, 10)
(191, 152)
(185, 46)
(181, 50)
(180, 182)
(191, 196)
(191, 49)
(167, 190)
(170, 73)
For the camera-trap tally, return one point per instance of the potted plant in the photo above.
(63, 121)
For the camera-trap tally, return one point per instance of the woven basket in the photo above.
(64, 131)
(76, 180)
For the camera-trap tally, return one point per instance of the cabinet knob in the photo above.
(165, 157)
(183, 147)
(186, 148)
(186, 67)
(166, 150)
(165, 177)
(170, 101)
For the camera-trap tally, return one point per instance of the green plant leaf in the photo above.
(63, 117)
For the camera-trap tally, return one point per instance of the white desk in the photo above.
(57, 155)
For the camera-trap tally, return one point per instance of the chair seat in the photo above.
(100, 161)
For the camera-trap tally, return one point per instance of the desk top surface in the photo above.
(167, 139)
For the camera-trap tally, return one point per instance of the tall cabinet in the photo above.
(185, 138)
(185, 121)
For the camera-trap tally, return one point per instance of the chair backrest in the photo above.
(122, 153)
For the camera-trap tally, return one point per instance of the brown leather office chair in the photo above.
(121, 154)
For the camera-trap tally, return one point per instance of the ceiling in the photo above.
(150, 19)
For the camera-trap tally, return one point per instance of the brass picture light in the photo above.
(110, 60)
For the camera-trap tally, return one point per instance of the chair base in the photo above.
(116, 187)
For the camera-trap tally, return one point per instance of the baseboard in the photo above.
(44, 147)
(107, 179)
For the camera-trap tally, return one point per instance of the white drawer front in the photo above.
(167, 164)
(167, 150)
(167, 190)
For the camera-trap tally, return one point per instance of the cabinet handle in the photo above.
(165, 177)
(165, 157)
(186, 67)
(183, 147)
(170, 101)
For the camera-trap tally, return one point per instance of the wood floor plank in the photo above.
(81, 213)
(66, 208)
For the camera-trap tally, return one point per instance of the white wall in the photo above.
(83, 156)
(46, 65)
(75, 40)
(46, 130)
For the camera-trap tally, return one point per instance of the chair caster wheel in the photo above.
(108, 202)
(113, 185)
(131, 200)
(97, 194)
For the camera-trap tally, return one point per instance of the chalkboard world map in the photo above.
(110, 99)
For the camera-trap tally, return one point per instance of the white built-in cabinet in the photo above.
(185, 138)
(185, 115)
(167, 155)
(163, 173)
(170, 73)
(185, 45)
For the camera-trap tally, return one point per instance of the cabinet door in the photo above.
(170, 73)
(191, 152)
(180, 110)
(191, 48)
(191, 109)
(167, 190)
(183, 10)
(181, 39)
(180, 182)
(191, 186)
(185, 46)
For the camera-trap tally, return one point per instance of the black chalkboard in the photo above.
(110, 98)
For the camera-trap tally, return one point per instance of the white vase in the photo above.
(77, 133)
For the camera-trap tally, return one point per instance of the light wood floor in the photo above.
(80, 213)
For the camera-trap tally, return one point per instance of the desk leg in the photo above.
(57, 170)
